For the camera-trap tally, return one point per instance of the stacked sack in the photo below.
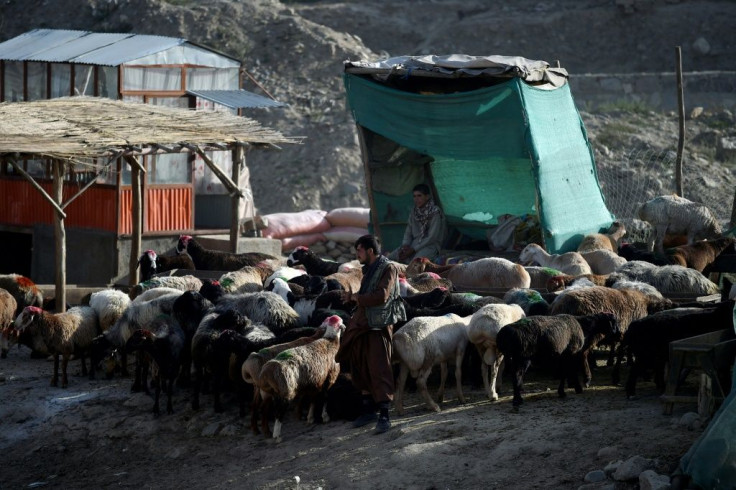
(336, 230)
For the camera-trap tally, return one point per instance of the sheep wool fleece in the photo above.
(367, 350)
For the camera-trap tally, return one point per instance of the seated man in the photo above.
(425, 230)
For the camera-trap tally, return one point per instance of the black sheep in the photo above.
(151, 263)
(648, 339)
(314, 265)
(558, 341)
(215, 260)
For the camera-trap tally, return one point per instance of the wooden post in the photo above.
(681, 108)
(238, 160)
(732, 223)
(137, 217)
(59, 238)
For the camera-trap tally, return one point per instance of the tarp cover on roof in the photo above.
(509, 148)
(236, 99)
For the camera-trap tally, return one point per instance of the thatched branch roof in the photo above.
(88, 127)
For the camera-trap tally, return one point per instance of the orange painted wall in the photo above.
(166, 209)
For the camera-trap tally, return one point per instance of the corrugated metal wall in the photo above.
(167, 209)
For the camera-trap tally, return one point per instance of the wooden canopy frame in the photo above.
(74, 130)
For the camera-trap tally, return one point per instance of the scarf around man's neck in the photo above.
(368, 272)
(424, 215)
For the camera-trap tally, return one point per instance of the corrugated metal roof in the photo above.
(54, 45)
(236, 99)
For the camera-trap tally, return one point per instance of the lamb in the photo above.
(246, 280)
(251, 371)
(668, 279)
(314, 265)
(151, 263)
(701, 255)
(109, 304)
(348, 279)
(648, 339)
(490, 272)
(677, 215)
(165, 344)
(560, 340)
(182, 283)
(424, 342)
(600, 241)
(8, 306)
(308, 370)
(531, 301)
(540, 275)
(265, 307)
(626, 305)
(569, 263)
(482, 332)
(215, 260)
(603, 261)
(25, 291)
(60, 334)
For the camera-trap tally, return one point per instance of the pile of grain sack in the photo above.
(326, 233)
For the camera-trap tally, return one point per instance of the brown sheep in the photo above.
(700, 255)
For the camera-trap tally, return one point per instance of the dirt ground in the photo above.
(96, 434)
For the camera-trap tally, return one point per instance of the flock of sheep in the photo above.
(269, 328)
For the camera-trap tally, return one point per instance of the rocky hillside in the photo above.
(295, 51)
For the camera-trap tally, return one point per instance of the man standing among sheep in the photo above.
(425, 230)
(366, 344)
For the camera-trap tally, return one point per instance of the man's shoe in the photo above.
(365, 419)
(383, 425)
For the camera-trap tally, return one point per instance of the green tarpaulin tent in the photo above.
(491, 135)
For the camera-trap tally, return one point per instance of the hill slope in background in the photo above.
(295, 50)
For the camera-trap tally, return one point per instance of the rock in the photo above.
(701, 46)
(352, 188)
(597, 486)
(726, 148)
(319, 248)
(595, 476)
(612, 467)
(330, 245)
(334, 253)
(632, 468)
(229, 430)
(608, 453)
(696, 112)
(650, 480)
(211, 429)
(691, 420)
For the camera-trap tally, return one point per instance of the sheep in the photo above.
(540, 275)
(314, 265)
(560, 340)
(265, 307)
(60, 334)
(285, 273)
(677, 215)
(135, 317)
(424, 342)
(603, 261)
(563, 281)
(151, 263)
(600, 241)
(701, 255)
(569, 263)
(432, 299)
(251, 371)
(8, 305)
(25, 291)
(212, 290)
(483, 329)
(631, 254)
(164, 343)
(306, 285)
(248, 279)
(109, 304)
(188, 309)
(531, 301)
(182, 283)
(627, 305)
(308, 370)
(648, 339)
(349, 279)
(151, 294)
(489, 272)
(204, 356)
(215, 260)
(668, 279)
(426, 281)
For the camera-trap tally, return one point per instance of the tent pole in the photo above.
(369, 183)
(59, 238)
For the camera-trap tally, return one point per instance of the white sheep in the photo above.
(424, 342)
(668, 279)
(678, 216)
(8, 305)
(604, 241)
(109, 304)
(308, 370)
(61, 334)
(483, 328)
(151, 294)
(285, 273)
(603, 261)
(485, 273)
(182, 283)
(249, 279)
(571, 263)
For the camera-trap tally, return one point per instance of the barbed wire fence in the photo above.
(643, 174)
